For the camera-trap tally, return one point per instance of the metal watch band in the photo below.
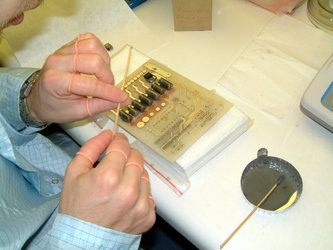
(24, 111)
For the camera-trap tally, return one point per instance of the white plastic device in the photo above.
(317, 101)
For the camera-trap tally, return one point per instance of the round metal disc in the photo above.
(261, 174)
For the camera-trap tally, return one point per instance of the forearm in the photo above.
(11, 81)
(68, 232)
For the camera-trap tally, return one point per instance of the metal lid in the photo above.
(262, 173)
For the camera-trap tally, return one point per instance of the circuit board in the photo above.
(168, 112)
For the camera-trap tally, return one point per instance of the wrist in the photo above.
(25, 113)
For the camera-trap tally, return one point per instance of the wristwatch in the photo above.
(24, 110)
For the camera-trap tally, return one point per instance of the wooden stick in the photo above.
(281, 178)
(122, 88)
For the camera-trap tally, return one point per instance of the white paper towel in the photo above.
(57, 22)
(275, 69)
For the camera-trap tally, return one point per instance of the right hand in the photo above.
(114, 194)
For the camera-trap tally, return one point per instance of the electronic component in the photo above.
(125, 116)
(168, 111)
(138, 106)
(165, 83)
(132, 111)
(153, 94)
(108, 46)
(145, 100)
(158, 88)
(150, 77)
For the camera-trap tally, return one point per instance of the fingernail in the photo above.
(109, 132)
(121, 135)
(124, 96)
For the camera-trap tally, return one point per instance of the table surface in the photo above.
(214, 205)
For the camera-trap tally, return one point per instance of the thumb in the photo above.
(89, 154)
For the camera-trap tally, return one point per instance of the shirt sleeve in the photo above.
(11, 81)
(72, 233)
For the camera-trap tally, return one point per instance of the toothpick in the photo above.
(122, 88)
(281, 178)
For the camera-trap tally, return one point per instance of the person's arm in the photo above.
(11, 82)
(79, 69)
(72, 233)
(115, 194)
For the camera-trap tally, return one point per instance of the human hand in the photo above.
(116, 193)
(60, 93)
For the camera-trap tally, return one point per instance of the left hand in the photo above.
(52, 100)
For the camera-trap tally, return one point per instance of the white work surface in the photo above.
(214, 205)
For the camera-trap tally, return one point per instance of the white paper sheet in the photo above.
(57, 22)
(275, 69)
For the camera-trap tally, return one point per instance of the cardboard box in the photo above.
(192, 14)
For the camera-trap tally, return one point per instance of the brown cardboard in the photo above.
(192, 14)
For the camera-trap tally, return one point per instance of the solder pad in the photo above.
(168, 112)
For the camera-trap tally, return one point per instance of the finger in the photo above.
(116, 156)
(135, 167)
(145, 178)
(133, 172)
(145, 204)
(94, 65)
(145, 184)
(89, 86)
(65, 84)
(87, 44)
(136, 182)
(134, 163)
(136, 176)
(90, 64)
(90, 152)
(80, 37)
(93, 148)
(150, 197)
(97, 105)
